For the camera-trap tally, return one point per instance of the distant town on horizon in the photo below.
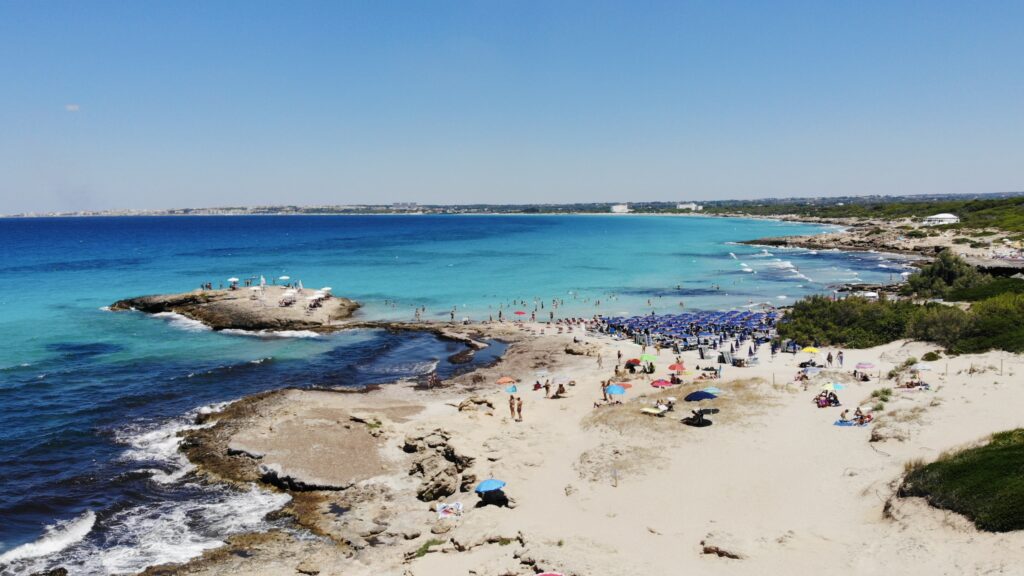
(794, 205)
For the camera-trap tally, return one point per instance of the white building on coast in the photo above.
(940, 219)
(620, 208)
(691, 206)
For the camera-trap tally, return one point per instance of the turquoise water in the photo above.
(92, 398)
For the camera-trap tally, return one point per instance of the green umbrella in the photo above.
(648, 357)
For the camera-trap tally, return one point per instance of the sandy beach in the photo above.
(771, 485)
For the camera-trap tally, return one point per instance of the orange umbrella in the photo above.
(625, 384)
(506, 380)
(677, 367)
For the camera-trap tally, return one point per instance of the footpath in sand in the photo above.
(772, 485)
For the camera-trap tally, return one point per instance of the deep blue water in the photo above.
(90, 400)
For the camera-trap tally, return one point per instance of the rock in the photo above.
(722, 545)
(442, 526)
(308, 566)
(434, 440)
(60, 571)
(474, 403)
(440, 477)
(467, 483)
(476, 531)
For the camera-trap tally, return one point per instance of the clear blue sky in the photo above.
(167, 104)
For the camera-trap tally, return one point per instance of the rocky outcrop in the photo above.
(440, 465)
(238, 310)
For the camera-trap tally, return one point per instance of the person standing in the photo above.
(512, 405)
(519, 409)
(828, 359)
(839, 357)
(599, 361)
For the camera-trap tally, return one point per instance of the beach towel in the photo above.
(449, 510)
(848, 423)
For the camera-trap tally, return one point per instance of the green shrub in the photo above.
(916, 234)
(985, 484)
(946, 273)
(930, 356)
(989, 289)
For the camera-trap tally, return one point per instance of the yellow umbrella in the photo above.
(811, 350)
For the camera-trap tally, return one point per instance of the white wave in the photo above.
(54, 539)
(733, 256)
(105, 308)
(174, 531)
(272, 333)
(182, 322)
(782, 297)
(403, 368)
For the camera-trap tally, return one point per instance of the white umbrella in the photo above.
(232, 279)
(284, 278)
(326, 289)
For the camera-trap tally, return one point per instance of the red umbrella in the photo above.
(625, 384)
(677, 367)
(520, 313)
(661, 383)
(633, 361)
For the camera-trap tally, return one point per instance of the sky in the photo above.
(109, 105)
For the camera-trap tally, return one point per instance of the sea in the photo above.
(91, 401)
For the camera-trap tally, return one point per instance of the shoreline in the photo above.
(417, 442)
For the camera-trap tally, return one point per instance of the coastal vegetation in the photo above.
(1002, 213)
(985, 483)
(995, 320)
(996, 323)
(947, 273)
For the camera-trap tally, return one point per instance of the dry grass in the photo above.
(741, 398)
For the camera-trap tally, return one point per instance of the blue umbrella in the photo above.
(699, 395)
(489, 485)
(615, 389)
(512, 389)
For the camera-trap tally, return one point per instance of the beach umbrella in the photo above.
(831, 387)
(677, 367)
(699, 395)
(232, 279)
(615, 389)
(489, 485)
(811, 350)
(661, 383)
(633, 361)
(626, 385)
(648, 357)
(520, 313)
(506, 380)
(512, 389)
(284, 278)
(865, 366)
(326, 289)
